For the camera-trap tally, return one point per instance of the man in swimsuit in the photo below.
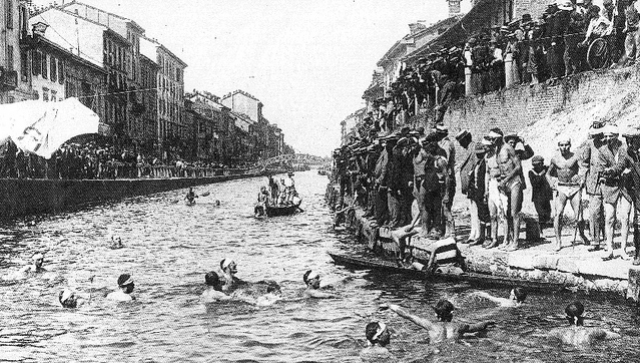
(516, 297)
(565, 168)
(125, 288)
(378, 338)
(36, 267)
(495, 196)
(213, 292)
(577, 334)
(70, 299)
(312, 280)
(228, 269)
(511, 183)
(443, 329)
(191, 196)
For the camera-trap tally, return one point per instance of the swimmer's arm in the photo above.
(601, 334)
(497, 300)
(474, 328)
(319, 294)
(426, 324)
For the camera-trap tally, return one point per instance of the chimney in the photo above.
(454, 7)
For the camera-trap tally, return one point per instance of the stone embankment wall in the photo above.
(20, 197)
(578, 270)
(542, 112)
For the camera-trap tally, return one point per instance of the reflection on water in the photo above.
(168, 249)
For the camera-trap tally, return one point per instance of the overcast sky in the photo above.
(308, 61)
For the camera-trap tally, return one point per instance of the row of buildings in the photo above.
(132, 81)
(423, 40)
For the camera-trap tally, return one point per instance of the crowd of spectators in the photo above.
(91, 160)
(542, 50)
(389, 176)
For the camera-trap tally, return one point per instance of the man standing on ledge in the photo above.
(510, 183)
(568, 187)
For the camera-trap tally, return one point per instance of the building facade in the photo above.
(13, 61)
(171, 126)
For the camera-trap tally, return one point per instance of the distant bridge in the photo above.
(296, 159)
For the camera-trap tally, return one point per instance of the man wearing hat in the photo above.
(610, 153)
(592, 164)
(629, 167)
(565, 169)
(447, 145)
(466, 170)
(437, 185)
(505, 171)
(541, 194)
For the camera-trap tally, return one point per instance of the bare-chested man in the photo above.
(443, 329)
(505, 171)
(565, 169)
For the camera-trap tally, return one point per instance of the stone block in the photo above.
(606, 284)
(521, 261)
(567, 265)
(616, 269)
(545, 262)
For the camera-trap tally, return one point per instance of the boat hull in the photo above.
(382, 265)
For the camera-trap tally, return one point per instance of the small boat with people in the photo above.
(280, 198)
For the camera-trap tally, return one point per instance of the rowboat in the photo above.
(268, 210)
(374, 263)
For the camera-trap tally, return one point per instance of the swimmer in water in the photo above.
(378, 338)
(516, 297)
(70, 299)
(312, 280)
(443, 329)
(125, 288)
(228, 269)
(577, 334)
(36, 267)
(191, 196)
(116, 243)
(213, 292)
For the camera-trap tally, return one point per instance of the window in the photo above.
(24, 65)
(53, 74)
(35, 63)
(44, 66)
(61, 72)
(10, 57)
(45, 94)
(8, 10)
(70, 89)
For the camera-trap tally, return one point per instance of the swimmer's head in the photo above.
(444, 310)
(212, 279)
(518, 294)
(273, 288)
(228, 265)
(312, 279)
(125, 282)
(574, 313)
(217, 203)
(377, 332)
(67, 299)
(38, 260)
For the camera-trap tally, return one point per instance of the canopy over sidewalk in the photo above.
(42, 127)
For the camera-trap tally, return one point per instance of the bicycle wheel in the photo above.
(599, 54)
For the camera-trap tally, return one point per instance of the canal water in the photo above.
(170, 246)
